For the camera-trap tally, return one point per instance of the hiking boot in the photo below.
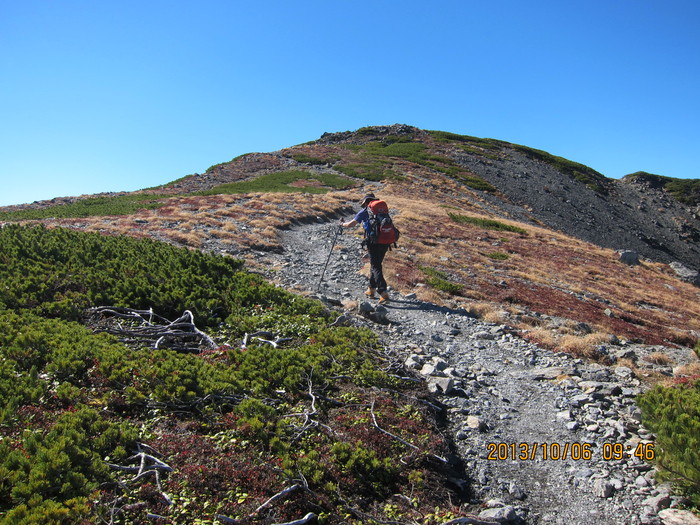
(370, 292)
(383, 298)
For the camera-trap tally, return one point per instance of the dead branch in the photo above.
(146, 327)
(149, 465)
(397, 438)
(264, 337)
(308, 415)
(470, 520)
(128, 313)
(306, 519)
(280, 496)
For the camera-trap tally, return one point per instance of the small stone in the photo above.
(515, 491)
(549, 373)
(617, 484)
(603, 488)
(474, 422)
(572, 425)
(441, 385)
(623, 372)
(629, 258)
(462, 435)
(564, 414)
(488, 336)
(678, 517)
(430, 370)
(412, 361)
(641, 482)
(585, 472)
(440, 363)
(657, 503)
(500, 514)
(580, 400)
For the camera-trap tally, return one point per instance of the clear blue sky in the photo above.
(123, 95)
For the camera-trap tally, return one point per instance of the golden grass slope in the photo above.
(535, 279)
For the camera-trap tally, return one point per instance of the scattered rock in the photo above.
(502, 395)
(629, 257)
(678, 517)
(686, 274)
(475, 423)
(441, 385)
(603, 488)
(500, 514)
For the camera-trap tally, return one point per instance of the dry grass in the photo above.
(546, 274)
(582, 346)
(542, 337)
(482, 309)
(690, 370)
(659, 358)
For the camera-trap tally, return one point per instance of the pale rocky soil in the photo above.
(500, 392)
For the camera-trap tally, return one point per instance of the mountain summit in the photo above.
(658, 217)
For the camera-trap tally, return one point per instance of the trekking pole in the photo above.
(335, 238)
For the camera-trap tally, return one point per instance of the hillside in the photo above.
(658, 220)
(507, 274)
(556, 263)
(656, 216)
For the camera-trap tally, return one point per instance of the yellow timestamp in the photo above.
(544, 451)
(616, 451)
(563, 451)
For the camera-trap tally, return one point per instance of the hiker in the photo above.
(376, 244)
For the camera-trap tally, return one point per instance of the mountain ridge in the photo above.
(637, 212)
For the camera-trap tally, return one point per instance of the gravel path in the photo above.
(539, 432)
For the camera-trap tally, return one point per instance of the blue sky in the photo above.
(124, 95)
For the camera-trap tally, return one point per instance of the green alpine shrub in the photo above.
(673, 414)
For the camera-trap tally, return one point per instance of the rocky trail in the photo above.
(544, 438)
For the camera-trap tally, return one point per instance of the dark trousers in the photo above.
(376, 274)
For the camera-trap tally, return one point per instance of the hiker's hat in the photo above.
(368, 197)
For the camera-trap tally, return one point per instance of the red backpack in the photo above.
(381, 228)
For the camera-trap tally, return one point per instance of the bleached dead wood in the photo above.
(470, 520)
(149, 465)
(280, 496)
(397, 438)
(308, 414)
(147, 327)
(303, 521)
(264, 337)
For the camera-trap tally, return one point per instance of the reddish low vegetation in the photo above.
(538, 272)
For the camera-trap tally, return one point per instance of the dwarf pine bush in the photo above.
(673, 414)
(60, 272)
(91, 207)
(237, 422)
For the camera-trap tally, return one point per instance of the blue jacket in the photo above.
(363, 218)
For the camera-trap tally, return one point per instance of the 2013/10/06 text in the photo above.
(562, 451)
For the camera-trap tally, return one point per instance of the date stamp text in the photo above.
(563, 451)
